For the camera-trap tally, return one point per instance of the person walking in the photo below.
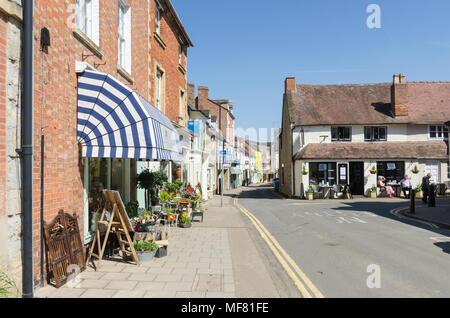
(426, 187)
(406, 186)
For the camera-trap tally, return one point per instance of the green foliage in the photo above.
(152, 182)
(415, 170)
(145, 246)
(173, 188)
(132, 209)
(373, 189)
(8, 288)
(164, 197)
(310, 190)
(418, 188)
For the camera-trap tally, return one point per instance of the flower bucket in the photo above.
(145, 257)
(372, 194)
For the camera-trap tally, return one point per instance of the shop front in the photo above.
(119, 133)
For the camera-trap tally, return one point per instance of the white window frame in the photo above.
(439, 129)
(182, 95)
(88, 19)
(180, 54)
(158, 21)
(124, 35)
(159, 88)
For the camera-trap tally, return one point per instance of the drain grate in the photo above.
(208, 283)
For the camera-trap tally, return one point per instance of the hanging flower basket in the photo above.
(415, 170)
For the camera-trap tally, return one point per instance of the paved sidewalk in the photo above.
(217, 258)
(440, 215)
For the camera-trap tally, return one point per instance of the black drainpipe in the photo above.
(27, 150)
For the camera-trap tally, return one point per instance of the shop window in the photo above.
(392, 171)
(341, 134)
(322, 173)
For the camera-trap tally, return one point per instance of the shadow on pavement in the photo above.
(445, 246)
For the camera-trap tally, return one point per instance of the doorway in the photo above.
(357, 178)
(433, 168)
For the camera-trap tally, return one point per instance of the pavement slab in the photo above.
(216, 258)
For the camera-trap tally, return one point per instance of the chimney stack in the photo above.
(399, 95)
(289, 84)
(203, 92)
(191, 93)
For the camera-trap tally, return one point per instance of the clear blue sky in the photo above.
(244, 49)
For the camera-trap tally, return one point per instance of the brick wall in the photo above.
(164, 54)
(63, 176)
(227, 121)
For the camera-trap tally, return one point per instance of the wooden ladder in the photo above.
(118, 224)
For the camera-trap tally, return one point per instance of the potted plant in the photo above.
(373, 192)
(373, 170)
(164, 198)
(158, 180)
(145, 250)
(184, 220)
(419, 192)
(144, 222)
(304, 171)
(310, 193)
(415, 170)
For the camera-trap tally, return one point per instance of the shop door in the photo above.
(343, 173)
(433, 168)
(357, 178)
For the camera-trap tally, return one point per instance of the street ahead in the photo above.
(334, 243)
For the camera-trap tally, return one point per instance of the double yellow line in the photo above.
(301, 281)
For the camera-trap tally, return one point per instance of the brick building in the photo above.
(222, 112)
(129, 42)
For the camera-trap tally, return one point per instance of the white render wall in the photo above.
(322, 134)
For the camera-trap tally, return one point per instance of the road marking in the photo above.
(300, 280)
(440, 238)
(396, 212)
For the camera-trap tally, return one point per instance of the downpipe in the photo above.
(26, 151)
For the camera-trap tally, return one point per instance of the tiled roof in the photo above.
(376, 150)
(429, 102)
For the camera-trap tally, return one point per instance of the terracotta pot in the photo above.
(178, 174)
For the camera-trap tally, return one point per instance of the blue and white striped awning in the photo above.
(116, 122)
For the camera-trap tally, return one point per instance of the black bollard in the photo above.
(432, 196)
(412, 208)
